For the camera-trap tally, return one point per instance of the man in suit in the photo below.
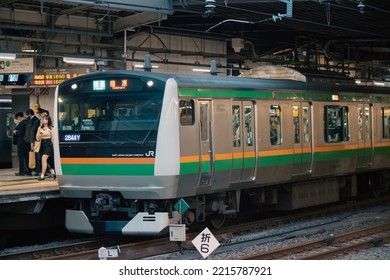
(22, 146)
(28, 137)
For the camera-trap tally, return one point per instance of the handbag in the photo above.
(31, 159)
(37, 146)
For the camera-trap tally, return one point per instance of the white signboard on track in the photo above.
(105, 253)
(205, 243)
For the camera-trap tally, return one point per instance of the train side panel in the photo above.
(275, 154)
(332, 158)
(222, 139)
(381, 154)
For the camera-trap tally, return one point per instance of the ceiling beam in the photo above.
(156, 6)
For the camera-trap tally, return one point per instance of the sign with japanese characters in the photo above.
(16, 66)
(205, 243)
(55, 76)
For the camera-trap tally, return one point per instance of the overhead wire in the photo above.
(294, 18)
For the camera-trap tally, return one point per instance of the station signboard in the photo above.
(16, 71)
(55, 76)
(17, 66)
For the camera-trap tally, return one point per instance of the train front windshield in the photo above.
(109, 116)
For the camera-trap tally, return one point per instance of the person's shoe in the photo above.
(41, 177)
(53, 173)
(19, 174)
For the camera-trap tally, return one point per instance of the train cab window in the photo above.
(236, 122)
(386, 122)
(336, 128)
(186, 112)
(275, 117)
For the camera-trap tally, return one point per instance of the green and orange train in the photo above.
(132, 144)
(6, 128)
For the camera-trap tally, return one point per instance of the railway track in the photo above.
(329, 247)
(140, 248)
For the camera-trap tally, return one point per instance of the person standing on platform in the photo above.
(22, 147)
(45, 136)
(39, 114)
(28, 136)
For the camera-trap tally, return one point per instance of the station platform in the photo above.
(12, 186)
(26, 196)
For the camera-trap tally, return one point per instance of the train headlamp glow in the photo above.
(335, 97)
(150, 83)
(74, 86)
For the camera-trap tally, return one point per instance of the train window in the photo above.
(186, 112)
(249, 125)
(10, 125)
(204, 121)
(236, 125)
(306, 124)
(297, 132)
(386, 122)
(360, 123)
(345, 119)
(364, 123)
(336, 128)
(275, 117)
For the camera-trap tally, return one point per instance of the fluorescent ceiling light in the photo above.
(7, 56)
(201, 70)
(376, 83)
(141, 66)
(76, 60)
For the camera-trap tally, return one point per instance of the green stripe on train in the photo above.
(279, 160)
(225, 93)
(219, 165)
(318, 96)
(335, 155)
(381, 150)
(108, 169)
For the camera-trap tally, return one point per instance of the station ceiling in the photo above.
(342, 30)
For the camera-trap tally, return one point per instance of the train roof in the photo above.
(242, 83)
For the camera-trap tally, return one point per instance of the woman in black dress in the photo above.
(45, 135)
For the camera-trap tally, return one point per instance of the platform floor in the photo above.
(19, 186)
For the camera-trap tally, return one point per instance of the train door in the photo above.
(206, 152)
(364, 135)
(6, 128)
(244, 154)
(302, 160)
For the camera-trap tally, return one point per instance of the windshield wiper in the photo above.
(151, 129)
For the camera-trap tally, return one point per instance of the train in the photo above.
(139, 151)
(6, 128)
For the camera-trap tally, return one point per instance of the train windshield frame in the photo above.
(110, 110)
